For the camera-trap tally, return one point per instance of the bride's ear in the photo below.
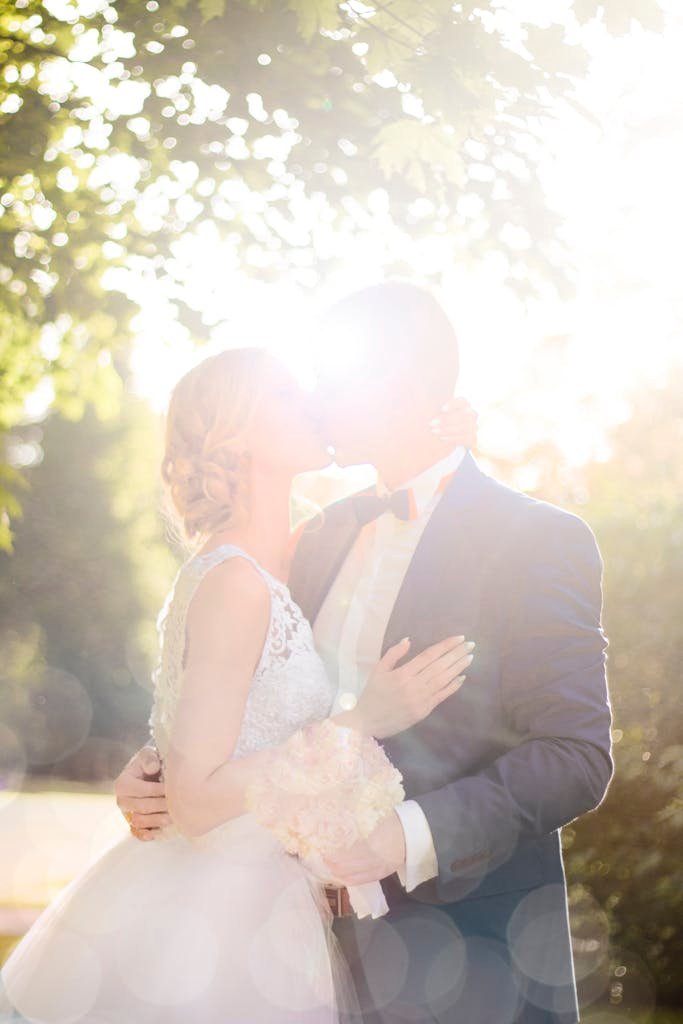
(457, 422)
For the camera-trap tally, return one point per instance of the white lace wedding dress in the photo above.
(226, 928)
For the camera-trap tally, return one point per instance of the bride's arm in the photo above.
(226, 628)
(227, 625)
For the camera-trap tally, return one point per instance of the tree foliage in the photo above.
(125, 124)
(625, 856)
(79, 596)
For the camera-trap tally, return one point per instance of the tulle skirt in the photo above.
(227, 928)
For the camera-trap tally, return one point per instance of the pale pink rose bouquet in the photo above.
(325, 788)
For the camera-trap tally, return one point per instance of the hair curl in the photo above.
(204, 466)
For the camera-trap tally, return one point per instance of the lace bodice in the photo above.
(290, 686)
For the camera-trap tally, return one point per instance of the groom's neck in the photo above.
(402, 461)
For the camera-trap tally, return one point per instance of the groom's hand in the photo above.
(371, 859)
(141, 801)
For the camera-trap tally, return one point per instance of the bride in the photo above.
(217, 923)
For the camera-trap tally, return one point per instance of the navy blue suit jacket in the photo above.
(524, 746)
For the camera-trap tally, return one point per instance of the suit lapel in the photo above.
(320, 553)
(441, 557)
(435, 586)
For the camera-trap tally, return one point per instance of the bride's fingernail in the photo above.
(435, 422)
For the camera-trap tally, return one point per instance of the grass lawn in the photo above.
(47, 838)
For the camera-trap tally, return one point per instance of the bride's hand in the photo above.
(457, 422)
(396, 698)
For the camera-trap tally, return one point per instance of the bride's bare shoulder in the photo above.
(232, 593)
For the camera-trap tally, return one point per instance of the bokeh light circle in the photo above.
(56, 718)
(184, 939)
(292, 975)
(66, 985)
(12, 764)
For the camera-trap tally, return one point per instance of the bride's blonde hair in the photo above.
(204, 466)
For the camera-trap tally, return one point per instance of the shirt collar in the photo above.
(425, 485)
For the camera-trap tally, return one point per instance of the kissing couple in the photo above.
(448, 618)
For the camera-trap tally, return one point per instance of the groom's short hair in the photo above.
(405, 317)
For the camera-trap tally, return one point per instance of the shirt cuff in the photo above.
(421, 862)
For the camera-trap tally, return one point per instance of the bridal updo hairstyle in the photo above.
(204, 466)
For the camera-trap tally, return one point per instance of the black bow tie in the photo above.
(370, 506)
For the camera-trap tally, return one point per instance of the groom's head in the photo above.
(388, 360)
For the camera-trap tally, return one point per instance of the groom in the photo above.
(471, 865)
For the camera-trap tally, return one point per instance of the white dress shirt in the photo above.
(350, 626)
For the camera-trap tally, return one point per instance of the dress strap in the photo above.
(202, 562)
(198, 566)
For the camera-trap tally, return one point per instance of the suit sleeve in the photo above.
(555, 697)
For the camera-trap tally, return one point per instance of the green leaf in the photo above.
(313, 15)
(586, 10)
(620, 14)
(211, 9)
(6, 536)
(419, 152)
(395, 35)
(386, 52)
(550, 50)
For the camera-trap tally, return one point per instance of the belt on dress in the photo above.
(339, 900)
